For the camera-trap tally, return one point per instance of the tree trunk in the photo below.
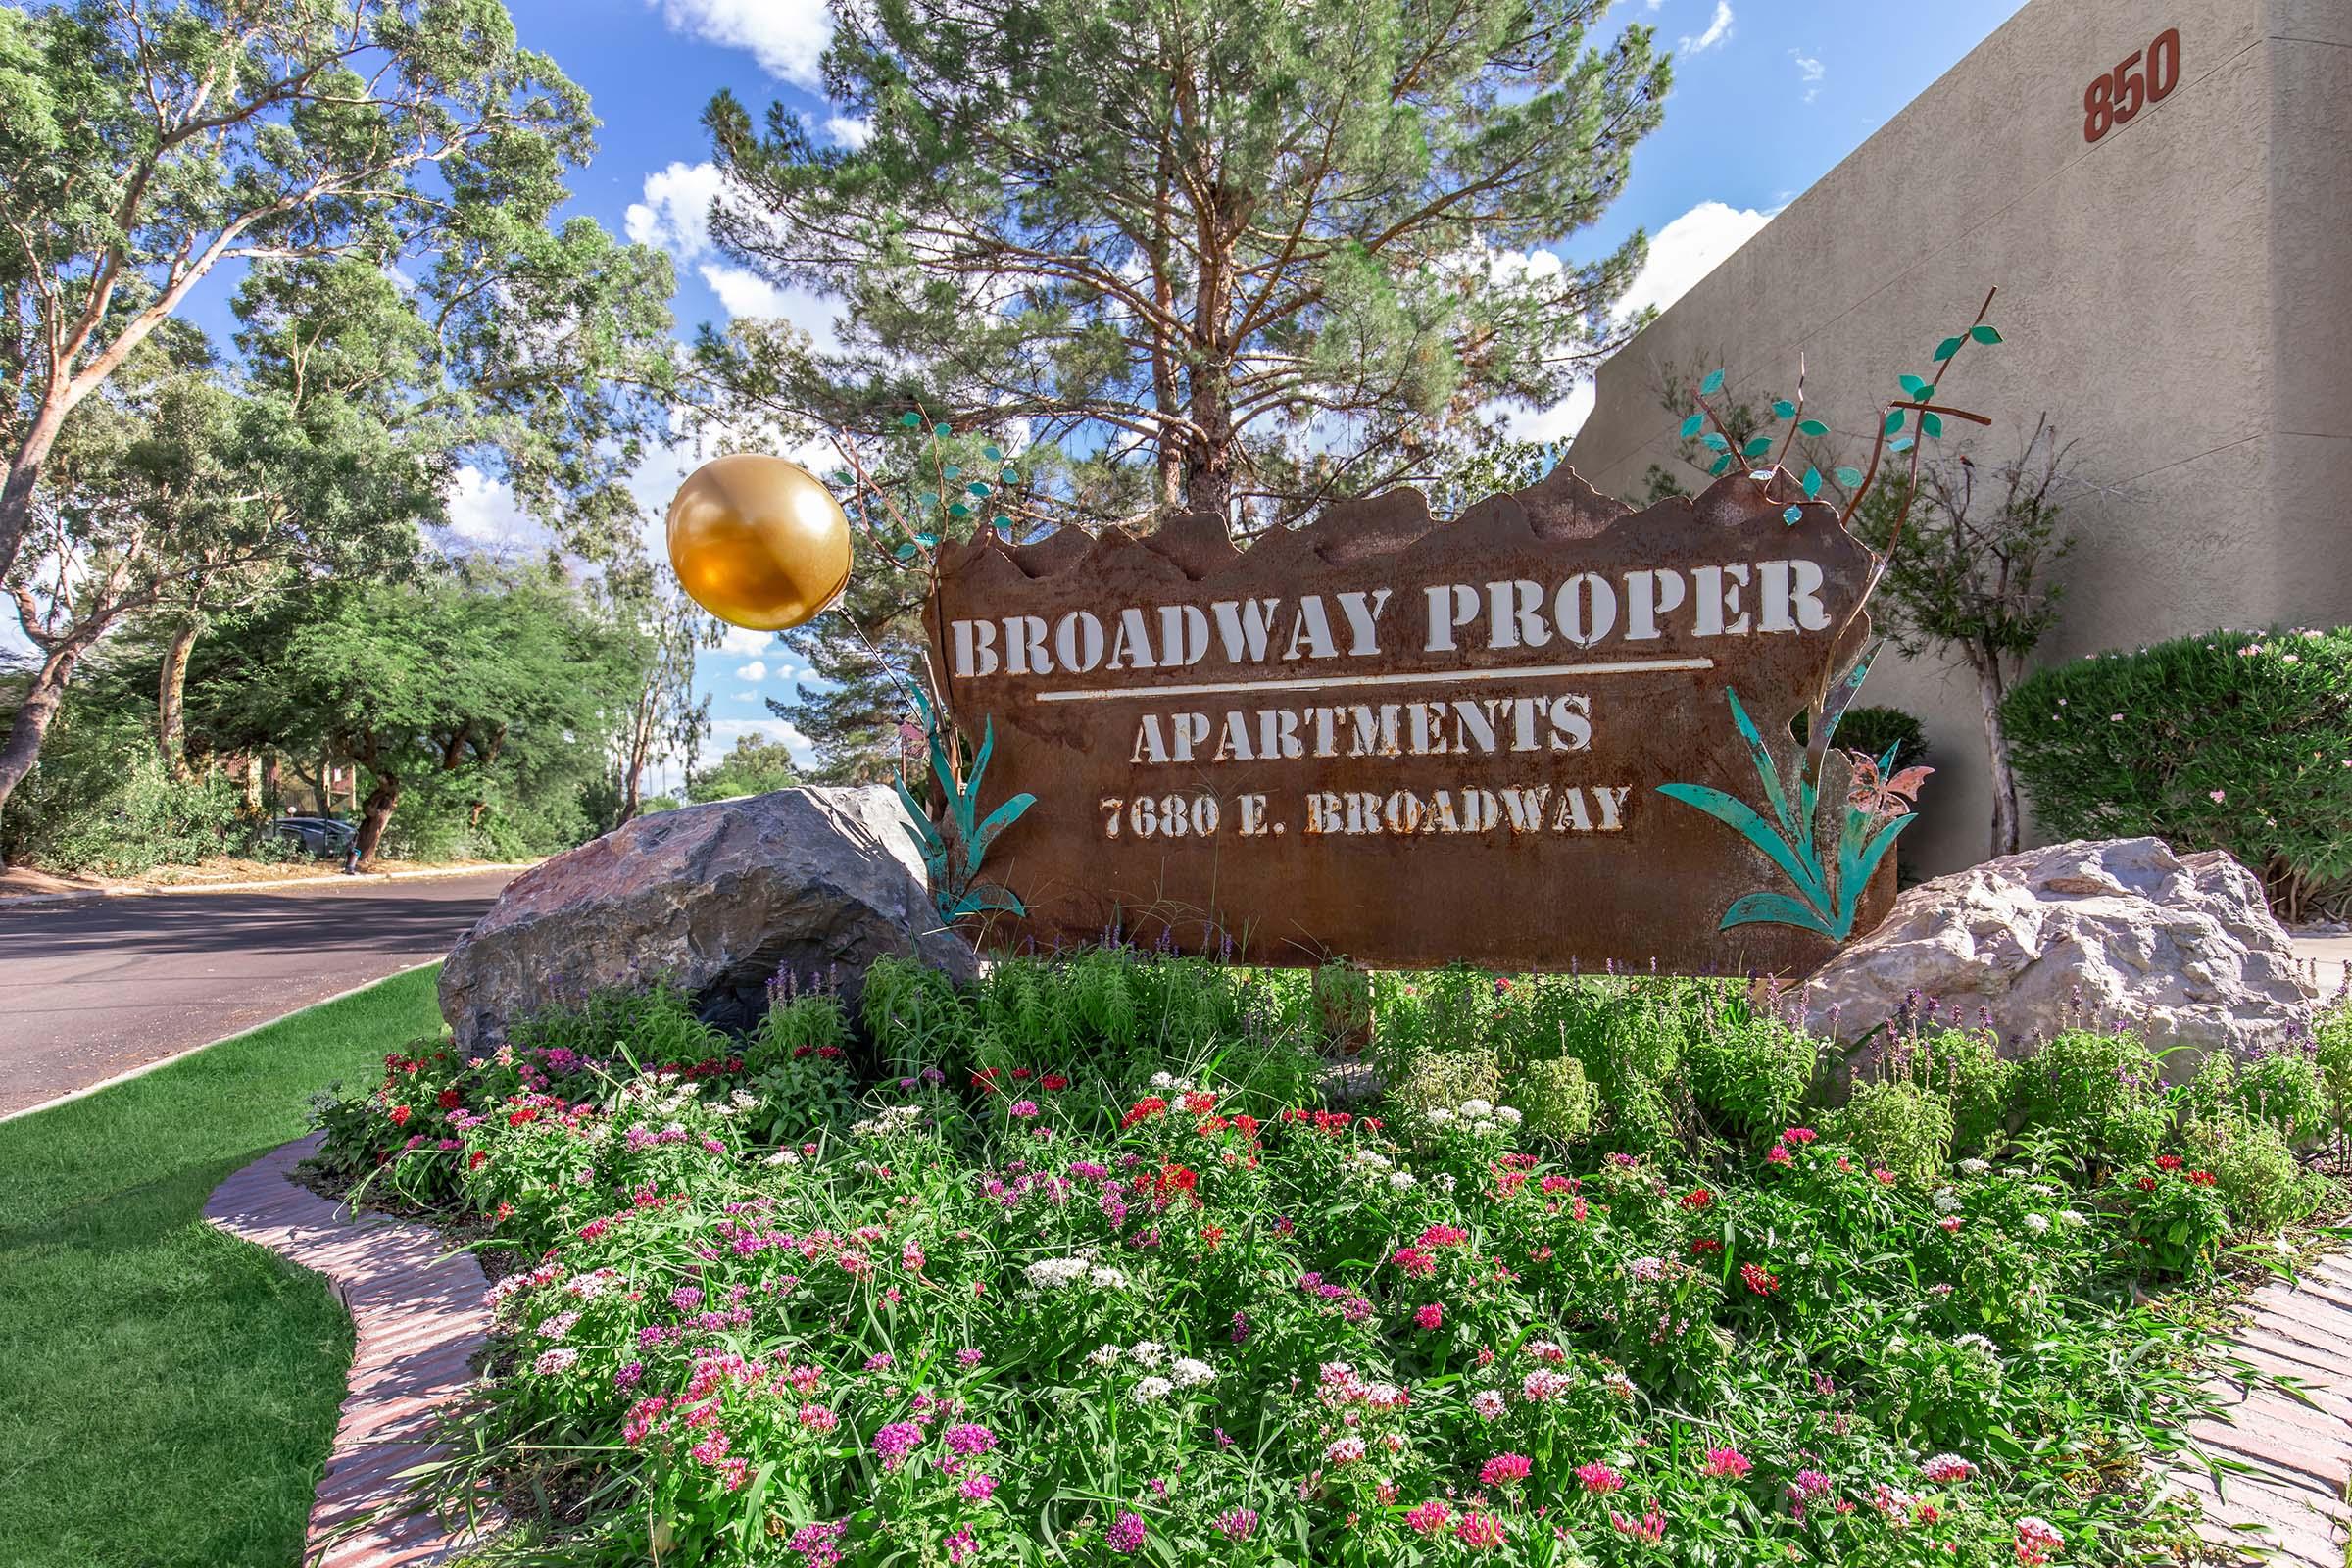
(1991, 687)
(374, 815)
(1208, 465)
(23, 748)
(23, 473)
(171, 704)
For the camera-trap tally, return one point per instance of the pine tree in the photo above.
(1230, 256)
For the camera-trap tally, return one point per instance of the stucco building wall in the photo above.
(2177, 296)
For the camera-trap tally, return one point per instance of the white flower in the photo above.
(555, 1328)
(1106, 1278)
(1105, 1356)
(782, 1157)
(1477, 1108)
(1487, 1402)
(1052, 1273)
(2071, 1216)
(1153, 1389)
(1191, 1372)
(1446, 1184)
(1345, 1450)
(1163, 1080)
(1400, 1180)
(1979, 1343)
(1975, 1167)
(1440, 1116)
(1947, 1200)
(2039, 1224)
(1507, 1117)
(1147, 1352)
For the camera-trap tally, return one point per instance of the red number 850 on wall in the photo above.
(2116, 98)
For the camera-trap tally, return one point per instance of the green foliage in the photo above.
(1968, 1069)
(2101, 1094)
(2332, 1059)
(1874, 731)
(1898, 1124)
(1749, 1075)
(103, 802)
(1557, 1100)
(756, 766)
(2253, 1169)
(2227, 741)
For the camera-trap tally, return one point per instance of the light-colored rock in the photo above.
(2109, 932)
(716, 897)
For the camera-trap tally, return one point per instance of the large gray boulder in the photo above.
(2105, 933)
(716, 897)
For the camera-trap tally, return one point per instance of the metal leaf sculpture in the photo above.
(953, 858)
(1879, 805)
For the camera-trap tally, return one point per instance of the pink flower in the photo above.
(2218, 796)
(977, 1486)
(1429, 1518)
(1238, 1524)
(1125, 1535)
(1024, 1108)
(1487, 1402)
(1343, 1450)
(1600, 1478)
(1503, 1470)
(1799, 1135)
(897, 1441)
(1948, 1467)
(1885, 1177)
(1950, 1222)
(1778, 1154)
(1479, 1530)
(961, 1543)
(1430, 1316)
(1729, 1462)
(1808, 1483)
(2037, 1539)
(1650, 1529)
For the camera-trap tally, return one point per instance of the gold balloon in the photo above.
(759, 542)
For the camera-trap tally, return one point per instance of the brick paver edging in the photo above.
(419, 1312)
(2289, 1502)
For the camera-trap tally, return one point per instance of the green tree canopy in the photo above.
(1250, 254)
(146, 143)
(497, 688)
(755, 766)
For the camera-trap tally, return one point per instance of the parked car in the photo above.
(319, 836)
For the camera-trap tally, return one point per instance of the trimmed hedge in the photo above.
(2229, 740)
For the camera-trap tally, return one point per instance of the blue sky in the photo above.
(1769, 94)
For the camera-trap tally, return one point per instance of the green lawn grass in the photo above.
(167, 1393)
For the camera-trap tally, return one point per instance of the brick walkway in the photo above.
(421, 1320)
(2292, 1501)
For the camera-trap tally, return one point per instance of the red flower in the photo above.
(1759, 1279)
(2203, 1178)
(1200, 1103)
(1022, 1074)
(1143, 1110)
(2170, 1162)
(400, 1115)
(1415, 1263)
(449, 1100)
(525, 1115)
(1213, 1235)
(473, 1161)
(1706, 1243)
(2147, 1184)
(1697, 1198)
(1052, 1080)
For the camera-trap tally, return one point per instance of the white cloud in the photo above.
(483, 510)
(742, 292)
(676, 213)
(1687, 250)
(1679, 255)
(742, 697)
(1718, 30)
(1810, 72)
(757, 669)
(788, 37)
(743, 642)
(850, 132)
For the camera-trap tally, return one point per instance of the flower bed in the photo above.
(1103, 1261)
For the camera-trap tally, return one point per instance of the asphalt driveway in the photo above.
(95, 987)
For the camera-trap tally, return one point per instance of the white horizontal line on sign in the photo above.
(1308, 683)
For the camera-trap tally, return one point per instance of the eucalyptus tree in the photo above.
(146, 145)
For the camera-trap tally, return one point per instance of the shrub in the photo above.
(1898, 1124)
(101, 800)
(2284, 1089)
(1873, 730)
(1749, 1074)
(1557, 1100)
(2333, 1060)
(1966, 1066)
(2100, 1094)
(2253, 1169)
(2227, 740)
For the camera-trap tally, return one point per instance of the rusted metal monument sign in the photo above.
(1412, 742)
